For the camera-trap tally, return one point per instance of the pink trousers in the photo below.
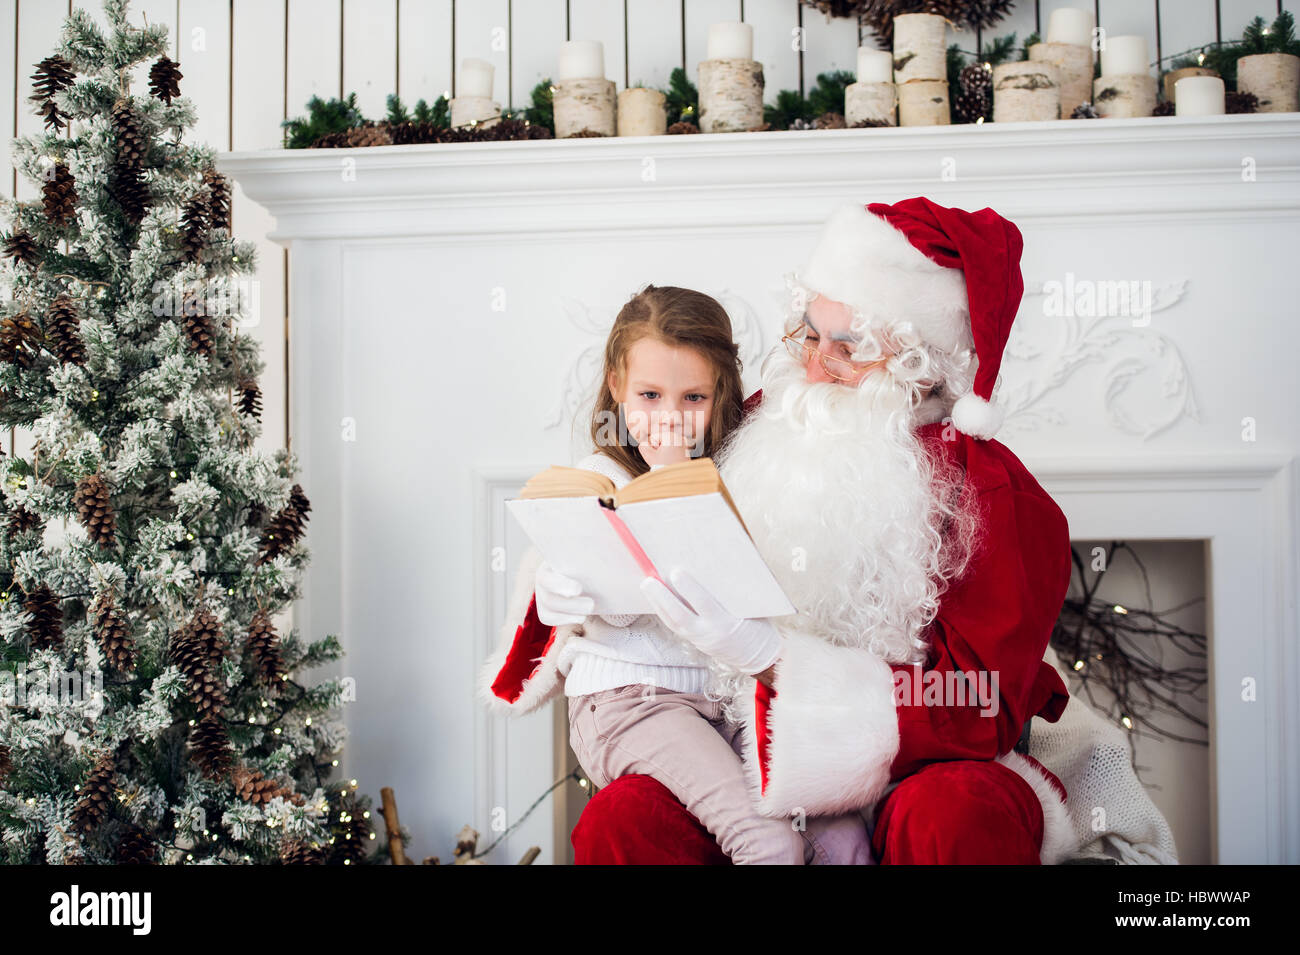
(683, 741)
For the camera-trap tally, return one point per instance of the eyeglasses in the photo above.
(838, 368)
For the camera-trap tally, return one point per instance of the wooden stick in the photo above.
(394, 829)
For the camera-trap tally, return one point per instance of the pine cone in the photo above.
(264, 649)
(198, 327)
(1164, 108)
(682, 128)
(136, 848)
(95, 510)
(22, 520)
(129, 191)
(96, 794)
(210, 748)
(352, 838)
(206, 688)
(829, 120)
(194, 227)
(864, 123)
(164, 79)
(21, 247)
(298, 852)
(1240, 102)
(60, 195)
(284, 529)
(250, 397)
(63, 327)
(252, 786)
(1084, 111)
(131, 142)
(47, 617)
(206, 629)
(6, 761)
(114, 639)
(974, 99)
(19, 340)
(218, 199)
(367, 134)
(52, 74)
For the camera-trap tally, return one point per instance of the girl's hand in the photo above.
(663, 446)
(560, 599)
(748, 645)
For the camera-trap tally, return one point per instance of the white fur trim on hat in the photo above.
(864, 262)
(972, 415)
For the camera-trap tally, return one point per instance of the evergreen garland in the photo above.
(1258, 37)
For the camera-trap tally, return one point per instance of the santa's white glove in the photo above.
(747, 645)
(560, 599)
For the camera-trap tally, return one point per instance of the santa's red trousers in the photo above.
(962, 812)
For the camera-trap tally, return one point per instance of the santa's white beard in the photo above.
(838, 494)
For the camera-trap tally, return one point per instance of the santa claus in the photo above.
(926, 564)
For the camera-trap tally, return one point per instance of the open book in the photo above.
(676, 515)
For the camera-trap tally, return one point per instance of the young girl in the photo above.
(641, 699)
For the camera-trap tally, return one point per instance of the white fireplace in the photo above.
(448, 308)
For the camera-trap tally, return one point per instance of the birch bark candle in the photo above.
(1274, 78)
(1199, 96)
(877, 101)
(730, 81)
(1126, 86)
(923, 103)
(1128, 94)
(1173, 76)
(1026, 90)
(1124, 56)
(472, 104)
(1070, 25)
(1073, 64)
(874, 95)
(919, 53)
(875, 66)
(583, 100)
(641, 112)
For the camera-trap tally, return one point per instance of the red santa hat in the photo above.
(955, 275)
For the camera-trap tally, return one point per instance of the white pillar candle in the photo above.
(1069, 25)
(875, 66)
(1123, 55)
(475, 78)
(1198, 96)
(582, 60)
(730, 41)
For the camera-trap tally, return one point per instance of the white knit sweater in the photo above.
(618, 650)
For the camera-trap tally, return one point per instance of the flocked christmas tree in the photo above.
(149, 711)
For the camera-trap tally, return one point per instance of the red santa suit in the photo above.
(828, 737)
(840, 729)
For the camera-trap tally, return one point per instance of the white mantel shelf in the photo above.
(1125, 169)
(398, 253)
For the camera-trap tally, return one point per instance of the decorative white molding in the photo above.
(1114, 170)
(1124, 349)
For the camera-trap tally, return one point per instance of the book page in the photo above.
(577, 540)
(702, 534)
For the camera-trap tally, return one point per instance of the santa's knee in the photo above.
(962, 812)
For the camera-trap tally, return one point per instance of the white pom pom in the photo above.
(974, 416)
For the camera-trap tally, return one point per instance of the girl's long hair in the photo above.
(678, 317)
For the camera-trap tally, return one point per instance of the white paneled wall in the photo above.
(250, 64)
